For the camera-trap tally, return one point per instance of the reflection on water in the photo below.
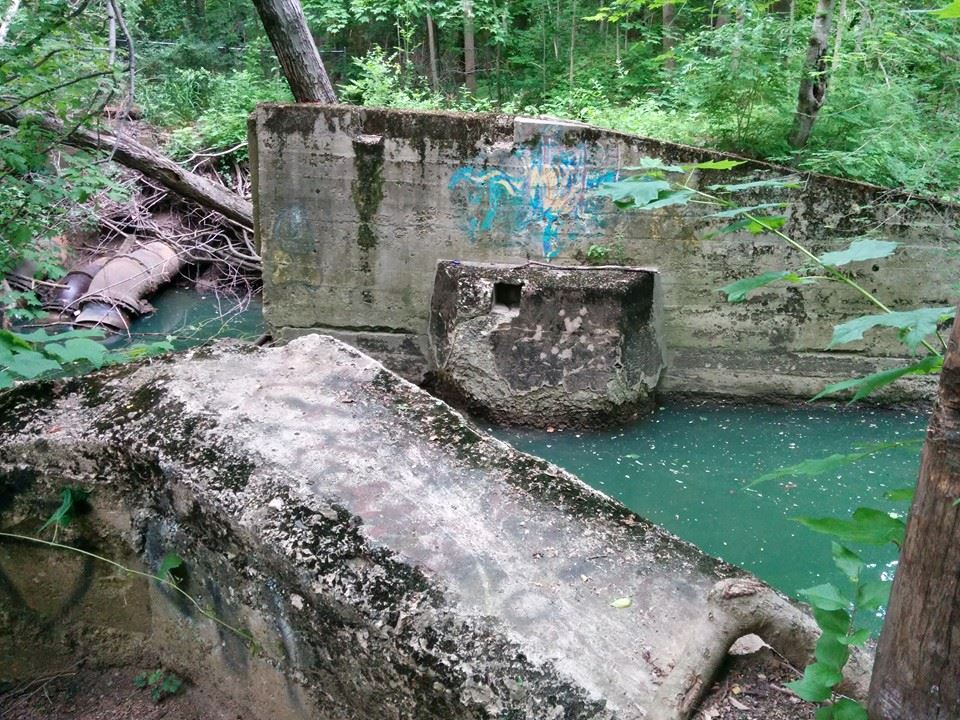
(687, 467)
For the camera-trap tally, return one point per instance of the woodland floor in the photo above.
(750, 688)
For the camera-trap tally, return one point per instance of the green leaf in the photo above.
(831, 653)
(5, 379)
(857, 638)
(647, 164)
(41, 336)
(847, 709)
(914, 325)
(824, 712)
(836, 622)
(950, 12)
(621, 603)
(171, 684)
(635, 191)
(819, 466)
(901, 494)
(815, 685)
(787, 182)
(715, 165)
(867, 525)
(738, 211)
(30, 364)
(169, 566)
(155, 676)
(864, 386)
(825, 597)
(70, 498)
(873, 595)
(737, 292)
(756, 225)
(863, 249)
(79, 349)
(140, 680)
(847, 561)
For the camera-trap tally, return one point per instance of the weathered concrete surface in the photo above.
(542, 345)
(356, 205)
(390, 560)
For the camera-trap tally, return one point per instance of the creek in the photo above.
(688, 468)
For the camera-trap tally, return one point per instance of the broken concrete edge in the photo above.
(345, 626)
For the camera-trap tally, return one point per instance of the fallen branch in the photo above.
(132, 154)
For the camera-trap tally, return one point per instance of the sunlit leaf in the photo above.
(787, 182)
(78, 349)
(817, 683)
(857, 638)
(30, 364)
(867, 525)
(847, 709)
(863, 249)
(873, 595)
(636, 191)
(169, 567)
(901, 494)
(825, 597)
(950, 12)
(868, 384)
(621, 603)
(914, 325)
(847, 561)
(715, 165)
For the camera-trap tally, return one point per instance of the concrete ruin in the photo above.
(542, 345)
(356, 206)
(388, 559)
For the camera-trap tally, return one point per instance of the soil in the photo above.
(750, 687)
(96, 694)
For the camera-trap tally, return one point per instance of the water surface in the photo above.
(687, 468)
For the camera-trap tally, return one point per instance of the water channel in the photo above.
(687, 467)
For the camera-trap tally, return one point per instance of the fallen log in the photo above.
(133, 154)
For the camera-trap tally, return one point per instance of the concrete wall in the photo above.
(355, 207)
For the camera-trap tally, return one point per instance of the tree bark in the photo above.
(667, 39)
(813, 82)
(287, 29)
(149, 162)
(915, 676)
(432, 49)
(469, 49)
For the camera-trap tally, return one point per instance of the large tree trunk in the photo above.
(469, 50)
(916, 675)
(432, 50)
(139, 157)
(290, 36)
(813, 82)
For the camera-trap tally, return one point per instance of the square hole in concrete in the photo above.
(506, 296)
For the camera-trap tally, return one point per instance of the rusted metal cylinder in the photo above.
(73, 286)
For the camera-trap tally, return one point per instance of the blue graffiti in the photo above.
(548, 193)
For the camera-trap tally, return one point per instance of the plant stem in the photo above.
(245, 636)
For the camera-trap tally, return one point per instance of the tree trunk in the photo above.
(287, 29)
(838, 40)
(469, 50)
(7, 20)
(111, 34)
(573, 43)
(151, 163)
(918, 658)
(813, 82)
(432, 50)
(668, 41)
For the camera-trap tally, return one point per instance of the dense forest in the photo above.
(879, 80)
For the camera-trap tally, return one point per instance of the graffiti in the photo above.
(540, 192)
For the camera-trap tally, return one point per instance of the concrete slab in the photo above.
(391, 560)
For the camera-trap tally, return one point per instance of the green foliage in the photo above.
(868, 526)
(914, 325)
(378, 80)
(72, 500)
(738, 291)
(160, 682)
(26, 356)
(864, 386)
(860, 250)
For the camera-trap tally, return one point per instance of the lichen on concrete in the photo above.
(383, 552)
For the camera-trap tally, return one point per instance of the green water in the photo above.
(187, 318)
(687, 467)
